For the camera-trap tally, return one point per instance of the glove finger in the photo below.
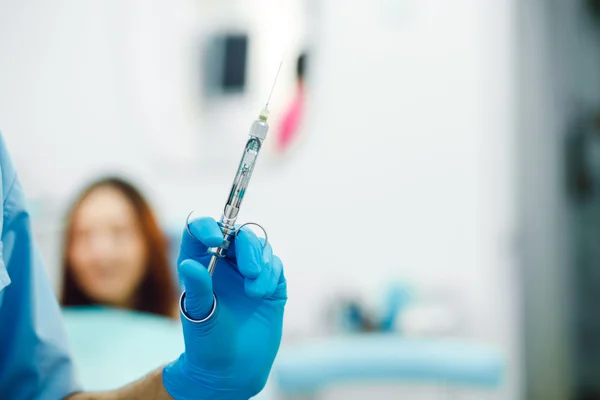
(281, 290)
(248, 253)
(231, 252)
(267, 281)
(207, 234)
(267, 251)
(198, 289)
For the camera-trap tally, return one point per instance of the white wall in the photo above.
(405, 171)
(411, 157)
(120, 82)
(94, 87)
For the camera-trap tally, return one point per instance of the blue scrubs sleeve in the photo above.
(34, 357)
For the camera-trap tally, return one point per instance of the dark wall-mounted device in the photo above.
(225, 63)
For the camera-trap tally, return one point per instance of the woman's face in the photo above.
(107, 252)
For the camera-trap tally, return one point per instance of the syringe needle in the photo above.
(274, 82)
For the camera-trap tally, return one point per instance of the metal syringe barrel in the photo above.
(258, 133)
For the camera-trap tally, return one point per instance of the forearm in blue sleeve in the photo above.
(34, 357)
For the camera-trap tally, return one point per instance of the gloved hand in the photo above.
(229, 355)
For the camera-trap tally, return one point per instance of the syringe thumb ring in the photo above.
(257, 225)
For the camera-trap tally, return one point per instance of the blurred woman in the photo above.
(115, 253)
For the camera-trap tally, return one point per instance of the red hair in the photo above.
(157, 292)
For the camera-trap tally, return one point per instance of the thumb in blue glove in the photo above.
(232, 323)
(199, 301)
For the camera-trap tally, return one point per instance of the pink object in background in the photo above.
(290, 124)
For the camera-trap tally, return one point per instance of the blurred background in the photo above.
(430, 179)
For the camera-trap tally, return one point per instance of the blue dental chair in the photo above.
(383, 355)
(305, 370)
(112, 347)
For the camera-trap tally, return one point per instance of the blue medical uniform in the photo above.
(34, 359)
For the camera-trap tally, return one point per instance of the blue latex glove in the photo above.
(229, 355)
